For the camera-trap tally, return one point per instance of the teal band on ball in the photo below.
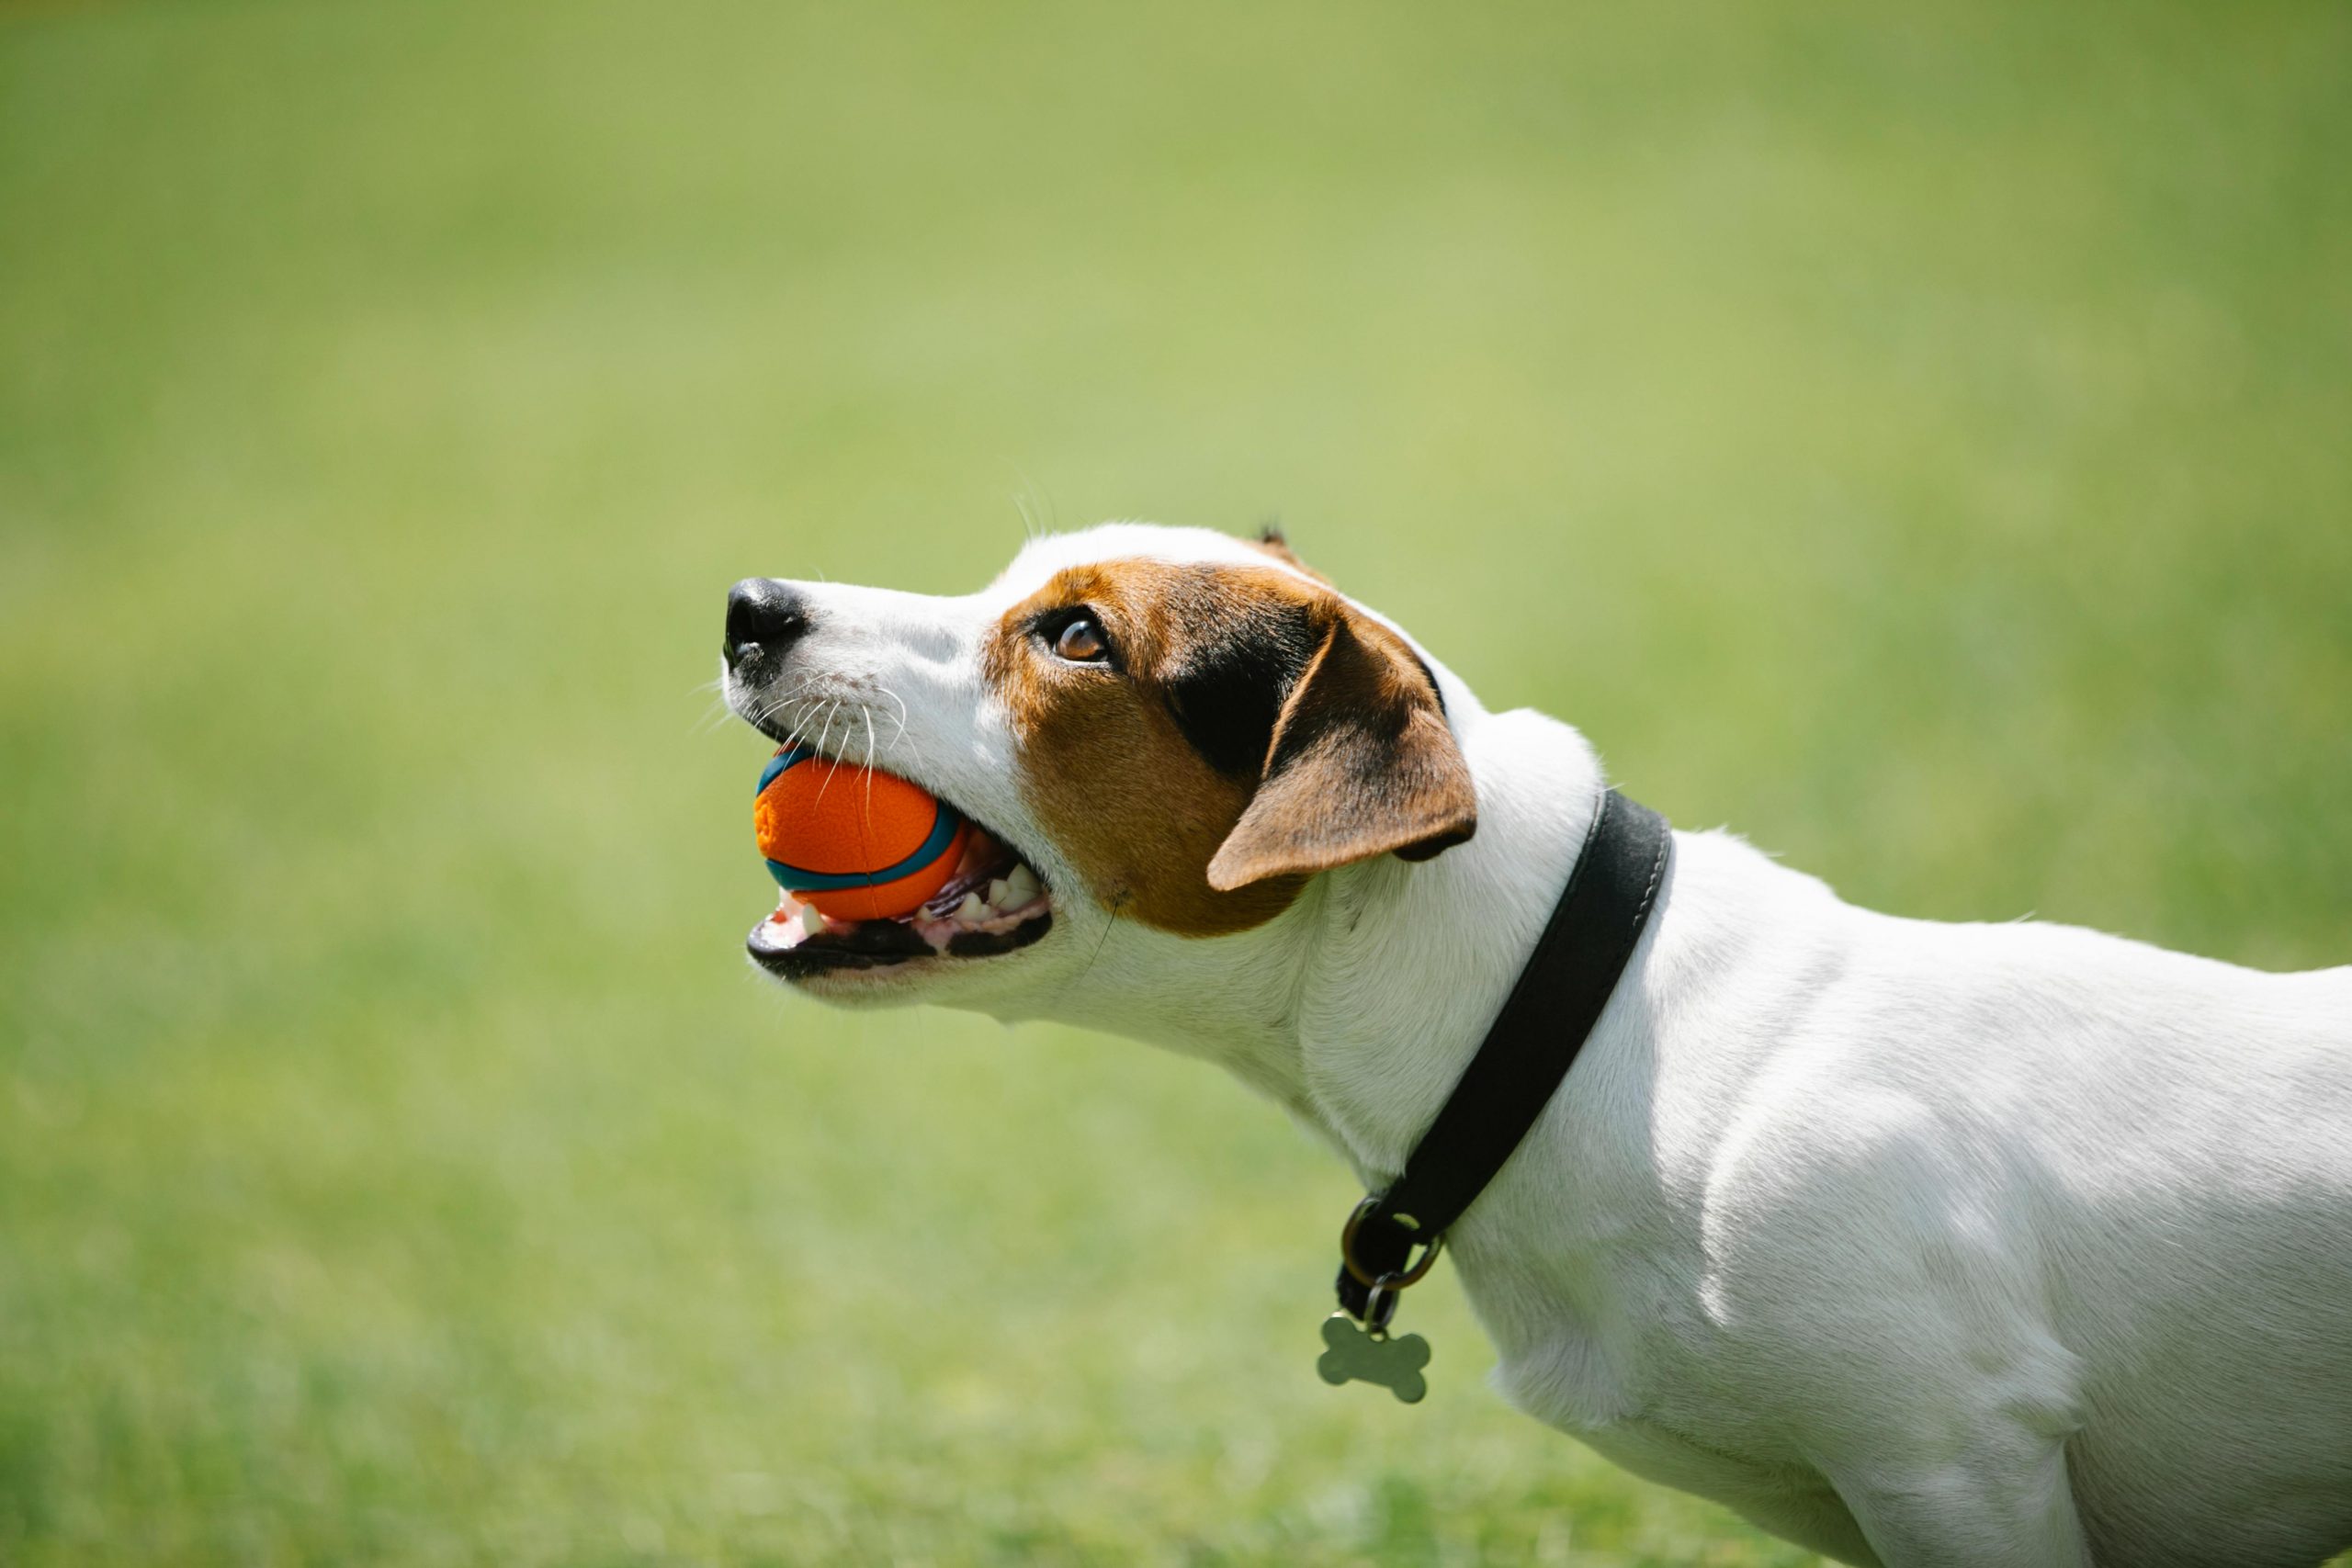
(943, 833)
(944, 822)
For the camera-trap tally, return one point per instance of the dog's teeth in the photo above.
(1023, 886)
(1001, 894)
(812, 923)
(971, 911)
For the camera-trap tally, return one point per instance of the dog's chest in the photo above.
(1591, 1277)
(1628, 1364)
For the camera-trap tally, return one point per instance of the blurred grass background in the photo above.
(1918, 437)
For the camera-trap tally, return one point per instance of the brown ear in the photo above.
(1362, 764)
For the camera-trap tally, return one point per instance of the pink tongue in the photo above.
(979, 849)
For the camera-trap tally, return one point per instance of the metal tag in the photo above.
(1354, 1356)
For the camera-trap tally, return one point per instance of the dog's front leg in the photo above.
(2004, 1503)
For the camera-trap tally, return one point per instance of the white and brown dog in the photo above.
(1917, 1244)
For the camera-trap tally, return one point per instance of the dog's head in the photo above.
(1164, 731)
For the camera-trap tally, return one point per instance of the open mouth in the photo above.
(993, 902)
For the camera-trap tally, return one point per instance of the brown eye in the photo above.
(1081, 642)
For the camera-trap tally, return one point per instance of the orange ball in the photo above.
(858, 844)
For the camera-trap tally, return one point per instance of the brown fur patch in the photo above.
(1127, 797)
(1235, 698)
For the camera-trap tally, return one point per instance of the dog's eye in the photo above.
(1080, 642)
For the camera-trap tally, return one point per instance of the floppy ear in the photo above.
(1362, 764)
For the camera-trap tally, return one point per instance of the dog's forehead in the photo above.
(1042, 560)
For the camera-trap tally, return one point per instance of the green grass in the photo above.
(1915, 436)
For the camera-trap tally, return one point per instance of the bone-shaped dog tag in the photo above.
(1353, 1355)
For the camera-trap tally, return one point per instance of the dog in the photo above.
(1915, 1244)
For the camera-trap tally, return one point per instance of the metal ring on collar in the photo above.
(1364, 1277)
(1380, 1304)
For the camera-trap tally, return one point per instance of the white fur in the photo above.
(1917, 1244)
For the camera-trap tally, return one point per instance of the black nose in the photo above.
(763, 615)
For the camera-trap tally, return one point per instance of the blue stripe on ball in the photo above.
(943, 833)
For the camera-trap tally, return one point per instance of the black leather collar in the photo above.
(1569, 980)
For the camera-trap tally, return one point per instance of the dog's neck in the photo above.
(1358, 1006)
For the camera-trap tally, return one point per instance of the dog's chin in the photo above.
(874, 957)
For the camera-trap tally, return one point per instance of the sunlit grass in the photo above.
(1917, 440)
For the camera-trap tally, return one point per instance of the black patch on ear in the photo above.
(1236, 671)
(1435, 690)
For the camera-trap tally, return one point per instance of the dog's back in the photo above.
(2211, 1289)
(2137, 1165)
